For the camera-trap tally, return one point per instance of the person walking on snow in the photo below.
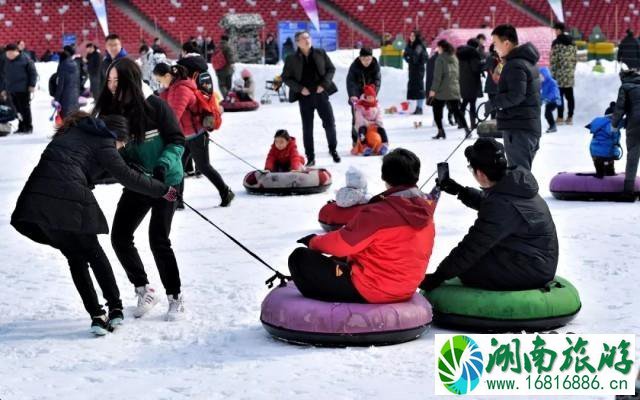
(563, 60)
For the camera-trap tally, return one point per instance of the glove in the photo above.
(430, 282)
(450, 186)
(55, 104)
(159, 173)
(171, 195)
(488, 109)
(305, 240)
(353, 99)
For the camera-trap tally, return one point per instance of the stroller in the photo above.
(7, 114)
(276, 87)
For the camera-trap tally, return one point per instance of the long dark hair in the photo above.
(446, 46)
(418, 39)
(128, 99)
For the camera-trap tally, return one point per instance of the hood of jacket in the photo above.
(517, 182)
(95, 127)
(599, 123)
(412, 205)
(467, 52)
(544, 71)
(563, 39)
(526, 51)
(630, 76)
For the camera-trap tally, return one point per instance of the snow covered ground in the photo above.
(221, 350)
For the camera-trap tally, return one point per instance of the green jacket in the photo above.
(163, 143)
(446, 73)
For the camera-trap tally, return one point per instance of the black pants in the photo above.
(224, 82)
(454, 107)
(520, 147)
(322, 278)
(491, 274)
(22, 102)
(187, 161)
(494, 113)
(473, 117)
(633, 155)
(604, 166)
(362, 132)
(131, 210)
(199, 149)
(308, 105)
(568, 93)
(83, 251)
(548, 114)
(354, 133)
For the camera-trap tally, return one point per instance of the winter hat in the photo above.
(356, 179)
(486, 154)
(400, 167)
(369, 90)
(365, 52)
(245, 74)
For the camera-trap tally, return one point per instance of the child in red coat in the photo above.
(284, 156)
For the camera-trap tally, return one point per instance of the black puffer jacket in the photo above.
(359, 76)
(518, 97)
(294, 65)
(57, 195)
(629, 51)
(431, 66)
(514, 226)
(628, 103)
(470, 70)
(67, 89)
(415, 54)
(271, 53)
(492, 61)
(19, 74)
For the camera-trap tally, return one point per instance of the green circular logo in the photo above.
(460, 364)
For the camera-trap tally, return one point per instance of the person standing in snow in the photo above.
(19, 83)
(518, 99)
(67, 90)
(56, 206)
(156, 148)
(271, 52)
(93, 68)
(415, 54)
(629, 51)
(149, 59)
(563, 60)
(550, 96)
(222, 61)
(470, 62)
(364, 70)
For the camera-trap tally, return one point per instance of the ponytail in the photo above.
(178, 72)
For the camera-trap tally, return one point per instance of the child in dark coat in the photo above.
(284, 156)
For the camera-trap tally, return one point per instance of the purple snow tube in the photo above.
(289, 316)
(585, 186)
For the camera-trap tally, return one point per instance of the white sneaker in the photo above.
(176, 308)
(147, 298)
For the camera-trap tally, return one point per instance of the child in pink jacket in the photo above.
(368, 113)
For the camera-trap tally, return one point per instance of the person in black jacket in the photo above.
(57, 206)
(629, 50)
(156, 148)
(415, 54)
(513, 244)
(470, 80)
(628, 104)
(93, 61)
(364, 70)
(491, 67)
(67, 89)
(271, 52)
(19, 82)
(309, 74)
(518, 98)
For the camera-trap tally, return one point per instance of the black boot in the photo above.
(440, 135)
(311, 161)
(226, 198)
(418, 111)
(335, 156)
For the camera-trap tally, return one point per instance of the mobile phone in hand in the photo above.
(443, 171)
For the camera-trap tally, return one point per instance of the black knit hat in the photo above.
(400, 167)
(486, 154)
(365, 51)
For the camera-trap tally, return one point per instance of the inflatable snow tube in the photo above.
(489, 129)
(237, 106)
(458, 306)
(291, 317)
(585, 186)
(286, 183)
(333, 217)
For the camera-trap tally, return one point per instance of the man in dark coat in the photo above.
(415, 54)
(93, 68)
(513, 244)
(271, 52)
(114, 51)
(67, 88)
(493, 75)
(364, 70)
(518, 98)
(629, 50)
(223, 60)
(19, 82)
(470, 81)
(309, 74)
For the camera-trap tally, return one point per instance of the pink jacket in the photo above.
(368, 116)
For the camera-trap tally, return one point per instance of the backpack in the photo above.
(219, 61)
(208, 107)
(53, 84)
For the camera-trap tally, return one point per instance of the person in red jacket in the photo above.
(380, 256)
(179, 93)
(284, 156)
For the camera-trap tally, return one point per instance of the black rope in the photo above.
(269, 282)
(459, 144)
(233, 154)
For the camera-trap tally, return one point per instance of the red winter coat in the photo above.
(387, 244)
(182, 100)
(289, 156)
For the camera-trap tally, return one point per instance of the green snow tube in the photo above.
(463, 307)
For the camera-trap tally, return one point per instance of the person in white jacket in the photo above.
(148, 61)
